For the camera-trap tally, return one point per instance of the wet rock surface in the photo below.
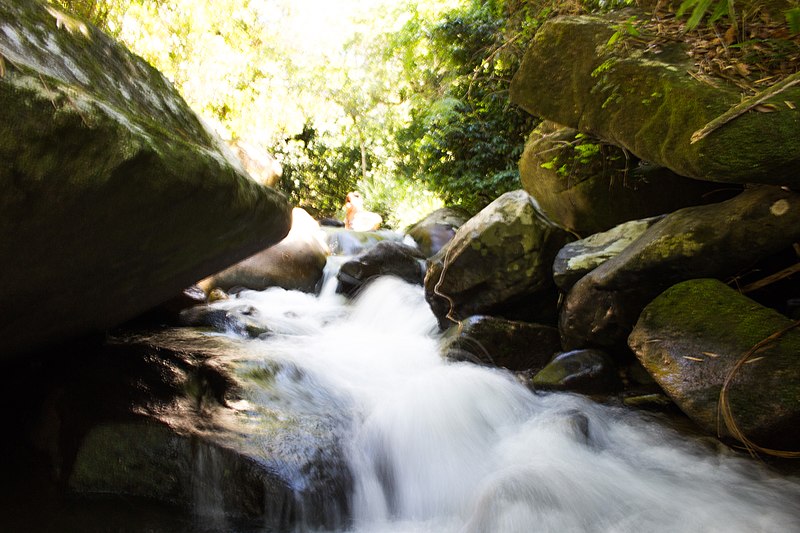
(509, 344)
(387, 258)
(187, 419)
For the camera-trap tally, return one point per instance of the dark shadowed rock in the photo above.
(708, 241)
(434, 231)
(499, 259)
(589, 186)
(115, 195)
(645, 101)
(583, 371)
(495, 341)
(691, 337)
(387, 258)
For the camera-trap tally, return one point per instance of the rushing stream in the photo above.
(437, 446)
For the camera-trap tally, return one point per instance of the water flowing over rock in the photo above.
(434, 231)
(717, 240)
(116, 196)
(589, 186)
(499, 262)
(347, 242)
(384, 259)
(648, 104)
(296, 262)
(192, 420)
(691, 337)
(509, 344)
(578, 258)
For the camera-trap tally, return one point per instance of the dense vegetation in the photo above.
(409, 105)
(406, 101)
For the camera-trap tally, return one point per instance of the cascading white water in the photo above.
(436, 446)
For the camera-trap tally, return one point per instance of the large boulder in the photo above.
(717, 240)
(494, 341)
(115, 195)
(499, 263)
(434, 231)
(692, 336)
(295, 263)
(589, 186)
(645, 101)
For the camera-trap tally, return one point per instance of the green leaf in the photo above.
(697, 14)
(793, 19)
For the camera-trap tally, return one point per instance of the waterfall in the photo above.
(439, 446)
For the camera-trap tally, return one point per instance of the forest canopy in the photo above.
(404, 100)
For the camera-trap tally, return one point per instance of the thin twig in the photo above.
(777, 276)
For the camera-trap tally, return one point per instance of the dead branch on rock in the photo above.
(744, 106)
(724, 405)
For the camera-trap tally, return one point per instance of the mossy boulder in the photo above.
(647, 103)
(493, 341)
(434, 231)
(691, 337)
(717, 240)
(115, 195)
(499, 263)
(589, 186)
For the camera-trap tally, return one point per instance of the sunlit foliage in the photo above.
(400, 100)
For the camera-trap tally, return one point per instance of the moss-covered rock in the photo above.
(116, 196)
(493, 341)
(717, 240)
(589, 186)
(648, 104)
(501, 257)
(692, 335)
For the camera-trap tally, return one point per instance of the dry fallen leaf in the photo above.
(742, 69)
(766, 108)
(789, 104)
